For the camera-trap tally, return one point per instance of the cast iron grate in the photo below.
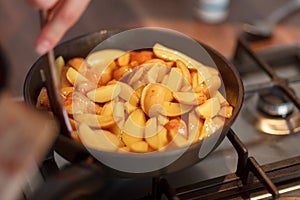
(250, 178)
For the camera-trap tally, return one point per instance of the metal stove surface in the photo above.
(263, 147)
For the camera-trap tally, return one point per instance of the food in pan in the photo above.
(140, 101)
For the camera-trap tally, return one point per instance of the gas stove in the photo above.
(259, 159)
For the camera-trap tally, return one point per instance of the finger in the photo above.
(43, 4)
(68, 13)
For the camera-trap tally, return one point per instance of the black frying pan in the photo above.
(77, 153)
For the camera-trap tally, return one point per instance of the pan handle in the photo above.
(76, 181)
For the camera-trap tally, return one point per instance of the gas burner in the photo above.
(270, 116)
(274, 103)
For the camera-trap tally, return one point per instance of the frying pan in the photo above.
(181, 158)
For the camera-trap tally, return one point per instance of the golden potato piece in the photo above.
(128, 94)
(177, 132)
(124, 149)
(124, 59)
(110, 137)
(151, 127)
(159, 140)
(103, 140)
(139, 147)
(107, 74)
(107, 109)
(195, 125)
(221, 98)
(60, 63)
(210, 126)
(213, 84)
(116, 130)
(120, 72)
(172, 109)
(128, 139)
(152, 74)
(209, 109)
(129, 108)
(226, 111)
(104, 93)
(119, 112)
(135, 123)
(101, 59)
(190, 98)
(43, 100)
(141, 57)
(74, 76)
(154, 94)
(96, 121)
(76, 63)
(184, 70)
(175, 79)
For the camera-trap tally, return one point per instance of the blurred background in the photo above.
(20, 26)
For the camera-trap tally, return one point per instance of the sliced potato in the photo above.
(60, 63)
(107, 74)
(107, 109)
(172, 109)
(139, 147)
(43, 99)
(173, 55)
(213, 84)
(162, 120)
(190, 98)
(154, 95)
(112, 138)
(124, 59)
(221, 98)
(226, 111)
(119, 112)
(104, 93)
(174, 81)
(136, 76)
(209, 108)
(179, 95)
(101, 141)
(74, 76)
(128, 94)
(76, 63)
(195, 125)
(210, 126)
(158, 141)
(122, 71)
(97, 121)
(177, 132)
(186, 97)
(101, 59)
(135, 124)
(184, 70)
(128, 139)
(129, 108)
(152, 74)
(115, 129)
(151, 128)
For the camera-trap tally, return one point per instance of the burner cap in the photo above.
(274, 103)
(270, 124)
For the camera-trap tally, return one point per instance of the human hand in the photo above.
(65, 15)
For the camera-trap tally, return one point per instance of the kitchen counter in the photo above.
(20, 26)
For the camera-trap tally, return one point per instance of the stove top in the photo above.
(259, 159)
